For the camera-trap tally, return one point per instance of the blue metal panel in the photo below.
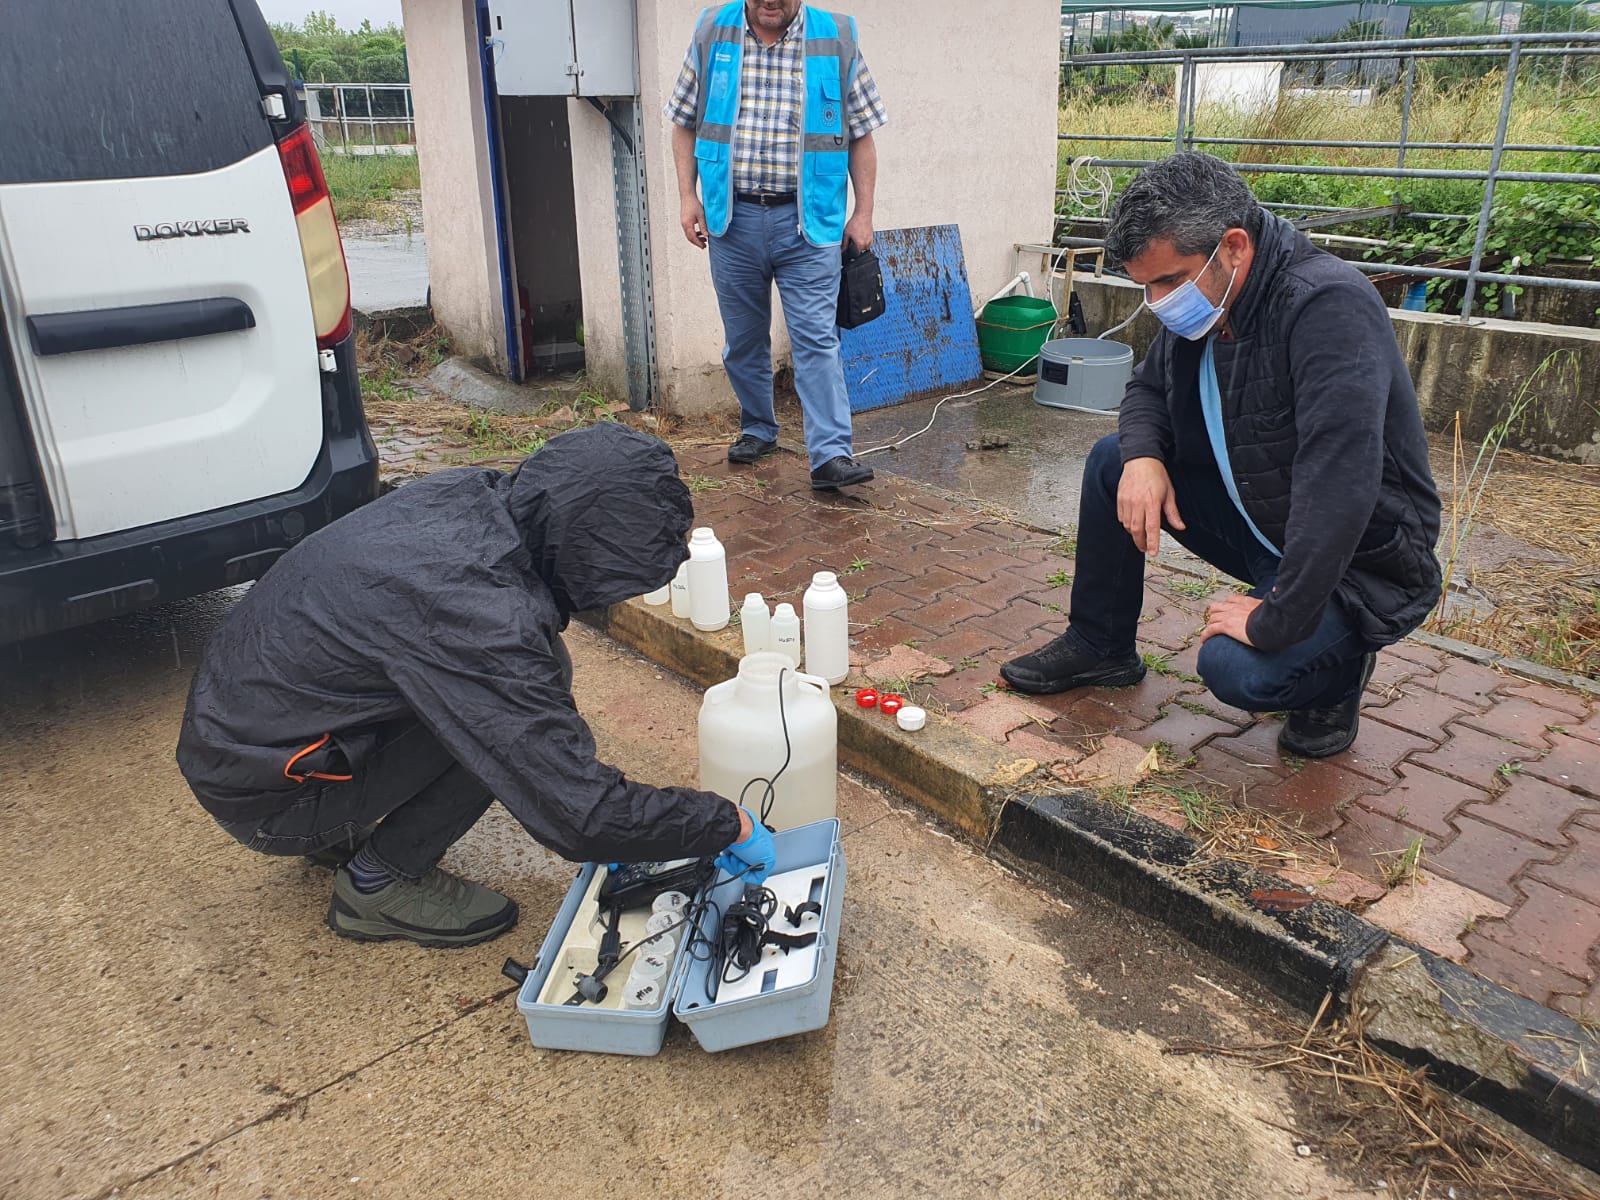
(926, 340)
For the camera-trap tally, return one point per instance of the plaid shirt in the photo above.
(766, 141)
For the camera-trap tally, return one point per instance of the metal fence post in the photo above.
(1184, 92)
(1512, 62)
(1405, 131)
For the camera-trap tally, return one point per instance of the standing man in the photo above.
(774, 112)
(1274, 431)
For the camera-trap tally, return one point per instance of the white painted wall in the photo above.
(457, 189)
(607, 363)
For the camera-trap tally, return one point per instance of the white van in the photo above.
(178, 394)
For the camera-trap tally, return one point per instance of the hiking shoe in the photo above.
(439, 911)
(840, 472)
(1065, 664)
(749, 447)
(1321, 732)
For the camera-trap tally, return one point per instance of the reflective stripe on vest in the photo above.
(823, 179)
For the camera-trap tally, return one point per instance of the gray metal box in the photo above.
(565, 47)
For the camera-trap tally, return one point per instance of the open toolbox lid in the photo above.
(783, 995)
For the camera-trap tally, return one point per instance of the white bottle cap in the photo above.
(660, 922)
(649, 966)
(785, 611)
(825, 579)
(911, 718)
(669, 902)
(703, 534)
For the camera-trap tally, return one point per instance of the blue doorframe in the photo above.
(497, 175)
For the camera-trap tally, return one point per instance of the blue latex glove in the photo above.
(756, 852)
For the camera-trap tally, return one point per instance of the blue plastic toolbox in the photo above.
(785, 994)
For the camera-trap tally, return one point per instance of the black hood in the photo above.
(603, 513)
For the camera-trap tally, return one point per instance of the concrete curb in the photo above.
(1516, 1057)
(1513, 1056)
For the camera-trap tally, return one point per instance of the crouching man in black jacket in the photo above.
(1273, 430)
(398, 671)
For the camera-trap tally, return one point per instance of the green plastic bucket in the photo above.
(1011, 330)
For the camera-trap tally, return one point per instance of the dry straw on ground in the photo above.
(1378, 1117)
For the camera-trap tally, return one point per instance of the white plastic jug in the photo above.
(709, 606)
(742, 741)
(827, 625)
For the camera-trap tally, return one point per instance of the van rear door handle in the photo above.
(137, 324)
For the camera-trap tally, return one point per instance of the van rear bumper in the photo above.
(64, 584)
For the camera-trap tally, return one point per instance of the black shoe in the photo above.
(840, 472)
(1321, 732)
(1065, 664)
(749, 448)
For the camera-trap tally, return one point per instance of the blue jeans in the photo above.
(760, 246)
(1108, 592)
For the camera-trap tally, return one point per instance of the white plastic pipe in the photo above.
(1021, 277)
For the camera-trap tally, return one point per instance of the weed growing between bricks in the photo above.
(1387, 1124)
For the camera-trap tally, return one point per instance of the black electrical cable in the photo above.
(769, 795)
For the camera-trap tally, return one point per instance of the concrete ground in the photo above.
(181, 1023)
(388, 271)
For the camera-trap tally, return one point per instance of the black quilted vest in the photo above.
(1393, 579)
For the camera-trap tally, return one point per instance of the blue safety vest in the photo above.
(824, 175)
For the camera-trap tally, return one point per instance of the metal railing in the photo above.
(361, 114)
(1514, 49)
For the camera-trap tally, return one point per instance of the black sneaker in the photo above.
(440, 911)
(749, 448)
(1066, 664)
(1321, 732)
(840, 472)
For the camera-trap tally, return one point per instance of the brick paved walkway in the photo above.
(1498, 777)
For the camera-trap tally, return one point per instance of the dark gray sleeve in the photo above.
(1145, 423)
(1340, 363)
(491, 683)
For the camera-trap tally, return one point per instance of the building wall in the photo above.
(971, 140)
(595, 193)
(457, 192)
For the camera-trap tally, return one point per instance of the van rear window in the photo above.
(120, 91)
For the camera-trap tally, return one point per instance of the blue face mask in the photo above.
(1185, 309)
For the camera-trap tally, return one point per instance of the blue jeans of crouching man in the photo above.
(1108, 593)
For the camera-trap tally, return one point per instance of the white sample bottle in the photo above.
(680, 591)
(709, 606)
(786, 633)
(660, 596)
(756, 621)
(827, 623)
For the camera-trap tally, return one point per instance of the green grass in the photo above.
(363, 185)
(1537, 221)
(1195, 589)
(1058, 579)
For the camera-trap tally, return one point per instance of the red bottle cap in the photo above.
(867, 698)
(891, 703)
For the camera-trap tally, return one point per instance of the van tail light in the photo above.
(326, 274)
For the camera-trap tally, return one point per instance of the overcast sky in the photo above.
(350, 13)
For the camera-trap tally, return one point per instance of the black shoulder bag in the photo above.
(860, 288)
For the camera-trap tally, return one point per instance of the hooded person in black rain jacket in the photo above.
(401, 669)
